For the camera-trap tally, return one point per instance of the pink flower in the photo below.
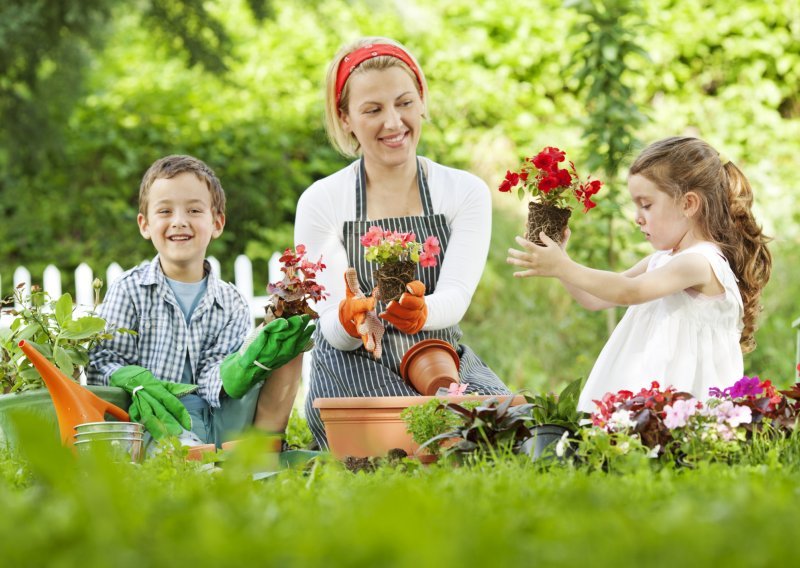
(457, 389)
(373, 236)
(406, 238)
(431, 246)
(732, 414)
(427, 260)
(679, 412)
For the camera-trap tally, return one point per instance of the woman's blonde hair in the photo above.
(678, 165)
(346, 143)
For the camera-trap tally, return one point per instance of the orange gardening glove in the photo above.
(357, 315)
(408, 314)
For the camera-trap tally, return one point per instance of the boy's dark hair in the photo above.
(170, 166)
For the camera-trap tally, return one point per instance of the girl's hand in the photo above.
(565, 238)
(538, 260)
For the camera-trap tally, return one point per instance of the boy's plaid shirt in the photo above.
(142, 300)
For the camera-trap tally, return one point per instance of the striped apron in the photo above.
(336, 373)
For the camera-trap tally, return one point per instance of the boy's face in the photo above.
(181, 223)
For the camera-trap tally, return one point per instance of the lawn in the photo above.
(510, 512)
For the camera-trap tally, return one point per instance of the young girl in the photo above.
(694, 301)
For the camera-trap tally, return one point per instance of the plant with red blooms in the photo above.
(543, 178)
(291, 295)
(643, 412)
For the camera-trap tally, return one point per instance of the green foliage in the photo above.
(84, 512)
(118, 91)
(491, 429)
(558, 409)
(426, 421)
(51, 327)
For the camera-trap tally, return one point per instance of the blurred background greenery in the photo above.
(93, 91)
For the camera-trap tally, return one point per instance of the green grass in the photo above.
(58, 511)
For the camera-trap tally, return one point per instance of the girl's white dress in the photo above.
(687, 340)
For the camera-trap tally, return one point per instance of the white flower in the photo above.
(620, 421)
(653, 453)
(562, 445)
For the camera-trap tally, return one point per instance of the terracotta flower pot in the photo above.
(548, 218)
(196, 453)
(371, 426)
(430, 365)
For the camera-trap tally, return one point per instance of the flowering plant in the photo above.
(386, 247)
(543, 178)
(681, 426)
(291, 295)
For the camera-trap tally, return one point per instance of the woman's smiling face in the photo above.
(385, 115)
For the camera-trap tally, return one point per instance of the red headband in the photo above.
(355, 58)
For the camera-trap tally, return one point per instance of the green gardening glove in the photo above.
(154, 403)
(268, 347)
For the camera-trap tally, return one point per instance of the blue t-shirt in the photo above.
(188, 295)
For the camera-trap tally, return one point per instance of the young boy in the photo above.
(182, 367)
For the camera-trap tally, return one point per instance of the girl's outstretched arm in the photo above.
(584, 298)
(634, 286)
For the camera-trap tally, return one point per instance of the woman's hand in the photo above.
(357, 315)
(409, 313)
(535, 260)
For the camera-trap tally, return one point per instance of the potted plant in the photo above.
(554, 415)
(397, 255)
(429, 420)
(372, 426)
(495, 426)
(62, 338)
(291, 296)
(551, 188)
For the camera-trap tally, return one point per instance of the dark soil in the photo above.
(393, 458)
(548, 218)
(391, 279)
(283, 309)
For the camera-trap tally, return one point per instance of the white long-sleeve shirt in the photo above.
(461, 197)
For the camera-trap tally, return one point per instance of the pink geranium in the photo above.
(393, 246)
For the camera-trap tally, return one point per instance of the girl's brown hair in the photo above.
(678, 165)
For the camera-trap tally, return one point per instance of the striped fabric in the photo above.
(336, 373)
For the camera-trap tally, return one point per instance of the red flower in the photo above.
(564, 178)
(546, 182)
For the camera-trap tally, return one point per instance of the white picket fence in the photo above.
(83, 295)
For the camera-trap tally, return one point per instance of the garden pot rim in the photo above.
(418, 347)
(400, 401)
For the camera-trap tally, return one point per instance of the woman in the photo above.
(375, 103)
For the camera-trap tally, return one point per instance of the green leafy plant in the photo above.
(52, 328)
(558, 409)
(487, 429)
(426, 421)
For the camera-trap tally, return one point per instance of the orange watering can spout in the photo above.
(74, 404)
